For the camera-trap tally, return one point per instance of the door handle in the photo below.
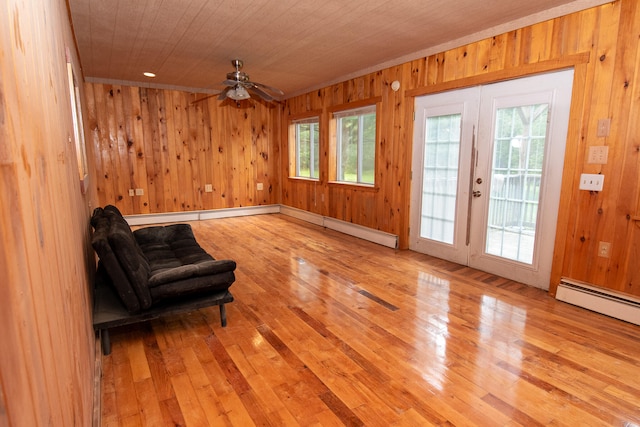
(477, 193)
(472, 168)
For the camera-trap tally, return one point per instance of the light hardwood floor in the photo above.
(327, 329)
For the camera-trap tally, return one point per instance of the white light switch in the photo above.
(591, 182)
(604, 126)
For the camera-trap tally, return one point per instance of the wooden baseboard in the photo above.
(97, 383)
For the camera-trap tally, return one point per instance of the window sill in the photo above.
(303, 179)
(355, 186)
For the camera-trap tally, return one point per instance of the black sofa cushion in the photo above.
(174, 255)
(157, 263)
(109, 262)
(202, 285)
(130, 256)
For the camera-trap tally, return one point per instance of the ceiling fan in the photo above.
(239, 86)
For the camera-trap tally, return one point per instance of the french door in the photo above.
(487, 171)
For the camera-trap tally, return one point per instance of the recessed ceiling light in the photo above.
(148, 74)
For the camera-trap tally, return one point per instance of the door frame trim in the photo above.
(570, 61)
(570, 175)
(570, 108)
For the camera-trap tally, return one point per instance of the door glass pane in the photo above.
(518, 156)
(440, 177)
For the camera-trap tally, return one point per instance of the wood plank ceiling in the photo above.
(296, 45)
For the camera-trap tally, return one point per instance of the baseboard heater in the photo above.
(614, 304)
(375, 236)
(359, 231)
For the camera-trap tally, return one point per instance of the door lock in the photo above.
(477, 194)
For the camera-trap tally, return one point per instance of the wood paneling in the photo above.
(162, 142)
(601, 43)
(333, 330)
(382, 208)
(47, 355)
(158, 141)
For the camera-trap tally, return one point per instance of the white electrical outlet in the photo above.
(208, 188)
(259, 186)
(598, 155)
(139, 192)
(603, 249)
(132, 192)
(591, 182)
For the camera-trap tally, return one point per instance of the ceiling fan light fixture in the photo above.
(238, 86)
(239, 93)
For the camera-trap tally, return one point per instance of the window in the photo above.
(355, 142)
(306, 156)
(78, 130)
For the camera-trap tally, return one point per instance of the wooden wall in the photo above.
(384, 207)
(602, 44)
(162, 142)
(156, 140)
(47, 355)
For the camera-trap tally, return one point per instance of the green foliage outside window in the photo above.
(357, 148)
(307, 150)
(518, 159)
(520, 138)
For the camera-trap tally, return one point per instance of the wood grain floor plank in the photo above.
(327, 330)
(138, 360)
(188, 401)
(150, 411)
(237, 412)
(513, 413)
(132, 421)
(157, 367)
(303, 403)
(212, 406)
(125, 397)
(171, 412)
(194, 368)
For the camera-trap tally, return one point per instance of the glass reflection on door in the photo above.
(516, 174)
(440, 177)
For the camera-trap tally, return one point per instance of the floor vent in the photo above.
(604, 301)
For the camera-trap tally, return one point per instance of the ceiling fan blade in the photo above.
(275, 90)
(239, 87)
(253, 88)
(203, 98)
(224, 93)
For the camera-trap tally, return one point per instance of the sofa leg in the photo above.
(106, 342)
(223, 315)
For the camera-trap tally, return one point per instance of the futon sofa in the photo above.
(152, 271)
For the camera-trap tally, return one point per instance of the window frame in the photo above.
(294, 145)
(75, 100)
(349, 110)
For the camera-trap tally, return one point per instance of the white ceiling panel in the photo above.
(296, 45)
